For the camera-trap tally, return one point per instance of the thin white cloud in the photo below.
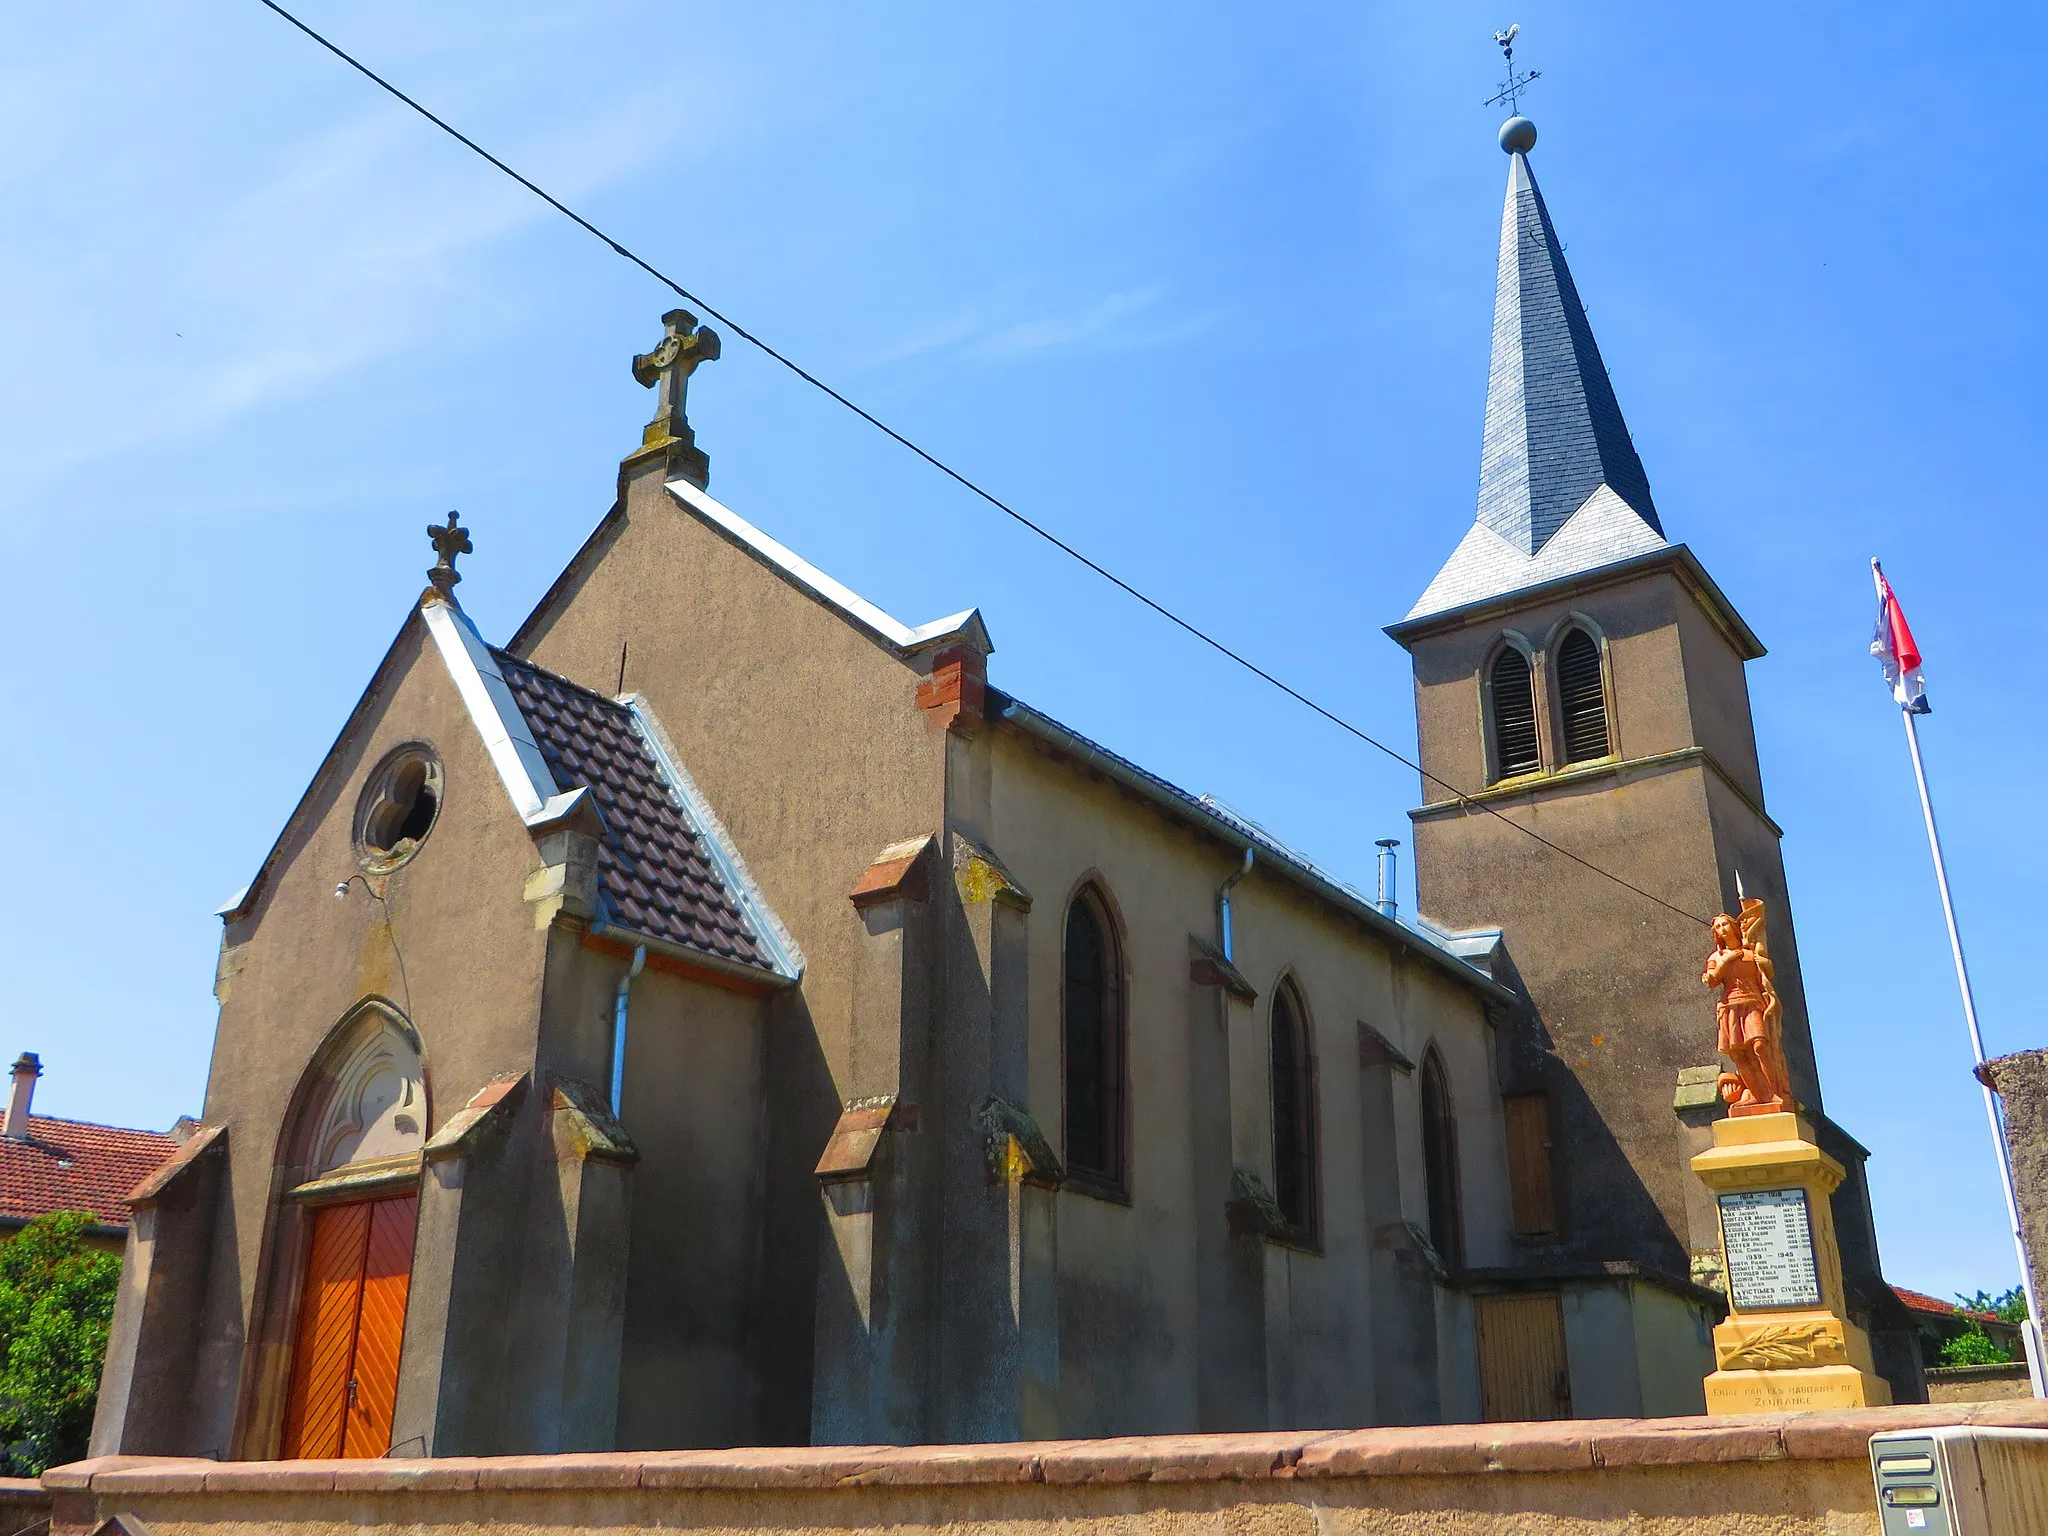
(1091, 326)
(283, 263)
(1116, 322)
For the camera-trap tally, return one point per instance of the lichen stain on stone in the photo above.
(1012, 1164)
(377, 964)
(982, 881)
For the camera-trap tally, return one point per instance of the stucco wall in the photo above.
(1131, 1276)
(1620, 1026)
(1674, 1353)
(694, 1104)
(802, 731)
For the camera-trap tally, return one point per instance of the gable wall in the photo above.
(452, 946)
(805, 736)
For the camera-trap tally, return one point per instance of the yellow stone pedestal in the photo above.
(1788, 1344)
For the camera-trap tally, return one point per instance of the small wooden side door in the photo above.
(344, 1384)
(1523, 1372)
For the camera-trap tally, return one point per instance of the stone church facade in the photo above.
(721, 1014)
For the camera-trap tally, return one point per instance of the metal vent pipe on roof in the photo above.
(27, 1068)
(1389, 871)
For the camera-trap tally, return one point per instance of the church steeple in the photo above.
(1554, 431)
(1555, 438)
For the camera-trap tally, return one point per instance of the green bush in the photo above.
(1973, 1346)
(56, 1302)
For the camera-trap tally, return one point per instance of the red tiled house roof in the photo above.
(71, 1165)
(1919, 1301)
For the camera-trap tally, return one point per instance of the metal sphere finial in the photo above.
(1517, 135)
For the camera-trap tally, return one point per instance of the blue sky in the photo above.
(1208, 290)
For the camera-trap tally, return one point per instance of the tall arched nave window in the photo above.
(1294, 1112)
(1440, 1162)
(1093, 1042)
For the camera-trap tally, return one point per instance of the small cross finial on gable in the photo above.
(684, 345)
(449, 541)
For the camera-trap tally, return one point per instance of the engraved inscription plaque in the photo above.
(1768, 1238)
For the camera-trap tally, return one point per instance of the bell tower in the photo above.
(1580, 676)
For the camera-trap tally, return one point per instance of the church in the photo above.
(719, 1014)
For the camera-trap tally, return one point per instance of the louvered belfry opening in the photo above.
(1514, 716)
(1582, 697)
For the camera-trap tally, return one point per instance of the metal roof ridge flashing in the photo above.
(1281, 857)
(1274, 845)
(724, 853)
(528, 781)
(965, 626)
(569, 808)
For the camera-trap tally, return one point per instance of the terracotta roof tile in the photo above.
(656, 874)
(71, 1165)
(1919, 1301)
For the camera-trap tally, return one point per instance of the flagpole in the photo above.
(2032, 1328)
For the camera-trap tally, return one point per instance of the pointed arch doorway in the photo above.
(351, 1161)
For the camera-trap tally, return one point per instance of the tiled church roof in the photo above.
(73, 1165)
(657, 876)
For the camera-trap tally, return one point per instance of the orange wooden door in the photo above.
(387, 1273)
(351, 1320)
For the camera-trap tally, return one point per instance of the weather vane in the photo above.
(1511, 89)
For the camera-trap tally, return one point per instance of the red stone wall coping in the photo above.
(21, 1487)
(1450, 1450)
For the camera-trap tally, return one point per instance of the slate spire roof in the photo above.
(1561, 488)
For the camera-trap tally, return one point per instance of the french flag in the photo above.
(1895, 650)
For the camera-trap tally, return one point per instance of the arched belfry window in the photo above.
(1440, 1162)
(1581, 698)
(1093, 1040)
(1512, 696)
(1294, 1111)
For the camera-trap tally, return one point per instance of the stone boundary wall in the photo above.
(1773, 1475)
(1978, 1383)
(23, 1502)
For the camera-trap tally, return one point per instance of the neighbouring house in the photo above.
(721, 1014)
(48, 1164)
(1935, 1322)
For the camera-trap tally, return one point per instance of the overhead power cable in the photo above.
(1164, 612)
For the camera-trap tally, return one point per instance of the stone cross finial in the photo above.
(670, 365)
(449, 542)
